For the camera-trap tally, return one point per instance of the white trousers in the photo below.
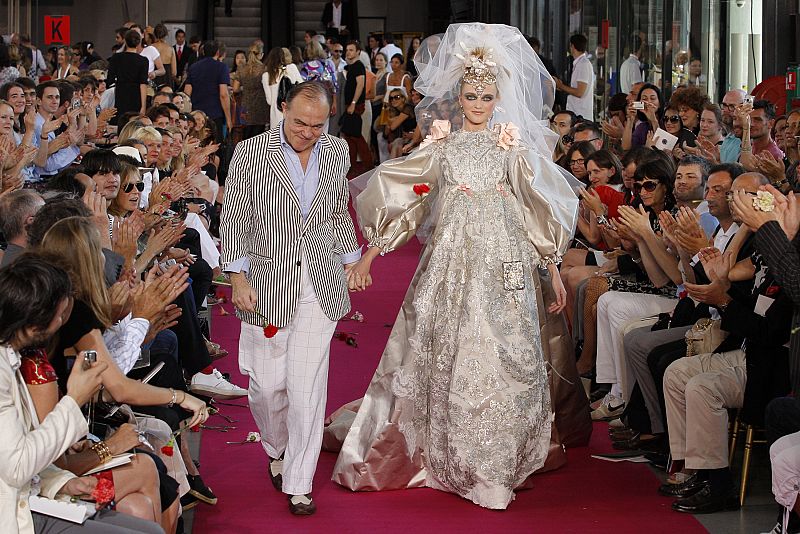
(614, 310)
(289, 386)
(784, 455)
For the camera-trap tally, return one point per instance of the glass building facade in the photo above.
(713, 43)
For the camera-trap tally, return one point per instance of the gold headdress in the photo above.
(479, 68)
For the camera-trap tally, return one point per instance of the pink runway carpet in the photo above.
(587, 495)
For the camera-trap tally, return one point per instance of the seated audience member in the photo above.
(641, 123)
(56, 150)
(588, 131)
(757, 142)
(17, 211)
(699, 390)
(34, 304)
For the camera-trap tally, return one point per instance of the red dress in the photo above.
(36, 369)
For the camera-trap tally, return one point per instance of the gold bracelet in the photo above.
(103, 452)
(174, 398)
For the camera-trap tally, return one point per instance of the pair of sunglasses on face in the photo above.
(647, 185)
(129, 187)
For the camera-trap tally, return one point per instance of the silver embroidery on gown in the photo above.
(470, 392)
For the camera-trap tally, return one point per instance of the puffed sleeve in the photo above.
(397, 198)
(549, 205)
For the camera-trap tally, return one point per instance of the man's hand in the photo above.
(713, 294)
(742, 207)
(716, 264)
(689, 235)
(119, 296)
(351, 109)
(787, 210)
(243, 296)
(83, 384)
(79, 486)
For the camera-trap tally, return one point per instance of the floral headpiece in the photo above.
(479, 68)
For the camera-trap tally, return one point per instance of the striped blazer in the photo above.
(261, 221)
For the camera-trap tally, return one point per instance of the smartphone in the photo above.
(76, 103)
(638, 105)
(749, 99)
(89, 358)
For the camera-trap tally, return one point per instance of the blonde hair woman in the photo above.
(177, 161)
(253, 98)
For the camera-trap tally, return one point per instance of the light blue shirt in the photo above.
(57, 160)
(305, 183)
(730, 149)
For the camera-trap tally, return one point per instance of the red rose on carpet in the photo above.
(421, 189)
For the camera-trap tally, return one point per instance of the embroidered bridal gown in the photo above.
(460, 400)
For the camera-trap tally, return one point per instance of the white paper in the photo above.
(663, 140)
(77, 512)
(116, 461)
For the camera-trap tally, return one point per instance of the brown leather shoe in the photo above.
(275, 470)
(302, 504)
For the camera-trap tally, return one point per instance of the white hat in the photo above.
(128, 151)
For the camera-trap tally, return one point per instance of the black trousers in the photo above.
(782, 418)
(658, 360)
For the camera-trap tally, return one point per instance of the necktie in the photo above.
(180, 51)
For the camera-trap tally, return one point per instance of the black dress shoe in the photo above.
(302, 504)
(658, 459)
(692, 485)
(707, 501)
(275, 470)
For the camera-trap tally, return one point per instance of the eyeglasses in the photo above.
(396, 97)
(729, 195)
(574, 162)
(729, 107)
(647, 185)
(672, 118)
(129, 187)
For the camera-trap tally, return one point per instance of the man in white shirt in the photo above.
(390, 49)
(630, 72)
(580, 91)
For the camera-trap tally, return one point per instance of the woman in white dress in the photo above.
(461, 399)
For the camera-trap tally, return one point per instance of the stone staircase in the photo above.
(239, 30)
(307, 16)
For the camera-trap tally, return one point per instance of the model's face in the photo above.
(477, 108)
(16, 97)
(304, 122)
(598, 175)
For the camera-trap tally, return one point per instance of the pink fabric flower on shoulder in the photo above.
(509, 135)
(439, 130)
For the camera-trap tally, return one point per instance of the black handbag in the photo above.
(350, 124)
(284, 86)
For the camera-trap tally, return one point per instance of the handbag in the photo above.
(284, 86)
(383, 118)
(704, 337)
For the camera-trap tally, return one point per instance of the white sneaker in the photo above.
(611, 408)
(215, 386)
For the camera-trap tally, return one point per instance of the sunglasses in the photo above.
(672, 118)
(337, 51)
(729, 195)
(647, 185)
(567, 139)
(396, 97)
(580, 161)
(129, 187)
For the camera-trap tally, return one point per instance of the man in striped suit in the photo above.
(289, 241)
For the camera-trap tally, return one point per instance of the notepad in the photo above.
(116, 461)
(74, 512)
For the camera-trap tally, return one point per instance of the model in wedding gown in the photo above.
(460, 401)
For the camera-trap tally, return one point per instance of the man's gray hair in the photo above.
(15, 207)
(311, 90)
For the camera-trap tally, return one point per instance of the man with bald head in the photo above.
(289, 242)
(732, 143)
(699, 390)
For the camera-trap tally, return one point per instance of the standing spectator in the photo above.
(8, 71)
(696, 76)
(254, 98)
(412, 50)
(64, 61)
(580, 91)
(38, 66)
(354, 94)
(277, 65)
(128, 70)
(183, 54)
(630, 72)
(155, 67)
(373, 47)
(207, 83)
(389, 48)
(337, 18)
(319, 68)
(167, 55)
(55, 152)
(338, 61)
